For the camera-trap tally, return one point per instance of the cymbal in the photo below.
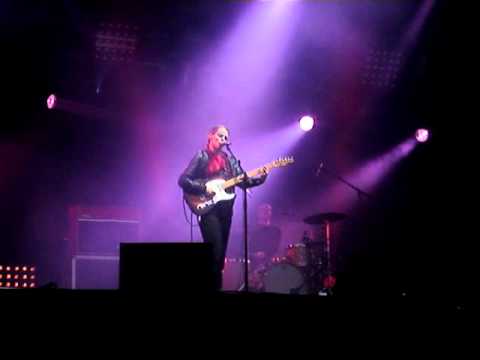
(323, 218)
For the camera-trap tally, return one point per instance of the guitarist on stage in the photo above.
(213, 163)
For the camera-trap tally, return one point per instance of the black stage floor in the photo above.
(228, 305)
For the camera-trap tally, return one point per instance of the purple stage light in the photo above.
(51, 101)
(422, 135)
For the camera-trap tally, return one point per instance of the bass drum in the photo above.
(284, 278)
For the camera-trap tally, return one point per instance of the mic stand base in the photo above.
(245, 287)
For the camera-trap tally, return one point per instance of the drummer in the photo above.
(265, 237)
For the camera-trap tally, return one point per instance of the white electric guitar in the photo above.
(202, 204)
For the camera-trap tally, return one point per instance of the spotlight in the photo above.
(306, 123)
(422, 135)
(51, 101)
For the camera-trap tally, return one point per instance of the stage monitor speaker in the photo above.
(167, 268)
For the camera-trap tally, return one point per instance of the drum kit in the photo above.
(305, 268)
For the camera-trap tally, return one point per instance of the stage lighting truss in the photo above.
(381, 68)
(116, 43)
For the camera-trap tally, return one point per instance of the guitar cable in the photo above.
(191, 220)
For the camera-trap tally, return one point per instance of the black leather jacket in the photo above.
(194, 177)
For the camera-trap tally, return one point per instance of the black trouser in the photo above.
(215, 228)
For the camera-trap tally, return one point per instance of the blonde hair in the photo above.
(215, 129)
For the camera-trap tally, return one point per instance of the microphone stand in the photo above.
(338, 177)
(328, 224)
(245, 222)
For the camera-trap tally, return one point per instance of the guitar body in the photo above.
(202, 204)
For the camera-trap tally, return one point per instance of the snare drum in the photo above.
(297, 254)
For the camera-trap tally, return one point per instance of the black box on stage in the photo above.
(167, 267)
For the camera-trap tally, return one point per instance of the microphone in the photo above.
(320, 168)
(223, 140)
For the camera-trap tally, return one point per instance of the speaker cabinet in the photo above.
(95, 272)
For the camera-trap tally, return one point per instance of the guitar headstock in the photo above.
(283, 161)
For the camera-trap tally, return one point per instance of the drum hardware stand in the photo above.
(327, 219)
(328, 263)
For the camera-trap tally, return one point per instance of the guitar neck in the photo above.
(238, 179)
